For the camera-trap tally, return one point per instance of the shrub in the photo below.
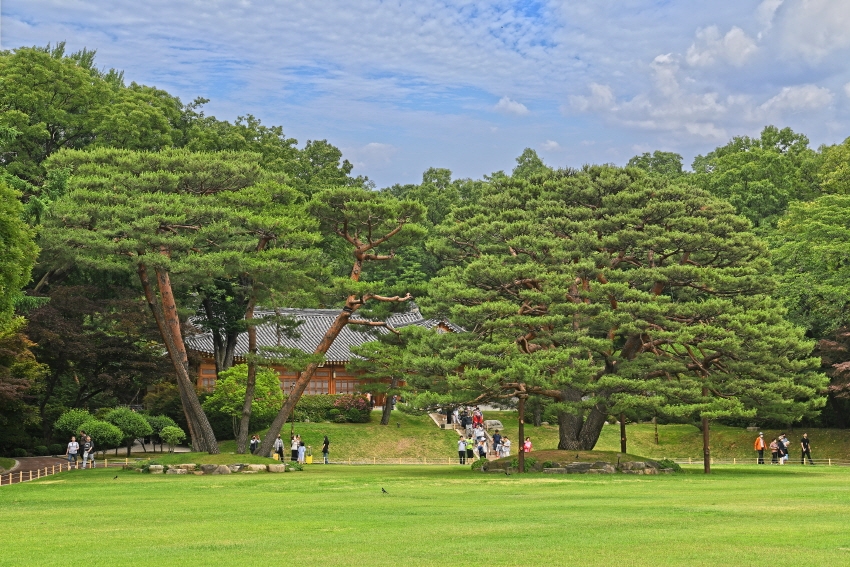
(70, 422)
(479, 464)
(103, 434)
(333, 413)
(529, 463)
(56, 449)
(173, 436)
(346, 402)
(132, 425)
(315, 407)
(668, 464)
(19, 452)
(340, 418)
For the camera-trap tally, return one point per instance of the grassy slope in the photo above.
(336, 515)
(686, 440)
(6, 464)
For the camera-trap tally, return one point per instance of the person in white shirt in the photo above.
(506, 446)
(71, 451)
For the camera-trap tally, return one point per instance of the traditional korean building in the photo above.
(332, 377)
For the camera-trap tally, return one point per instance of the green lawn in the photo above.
(337, 515)
(6, 464)
(686, 440)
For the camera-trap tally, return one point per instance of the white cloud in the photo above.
(710, 47)
(507, 105)
(847, 89)
(601, 97)
(550, 146)
(371, 155)
(766, 11)
(815, 28)
(798, 98)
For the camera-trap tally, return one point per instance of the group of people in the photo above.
(780, 449)
(74, 449)
(476, 445)
(297, 448)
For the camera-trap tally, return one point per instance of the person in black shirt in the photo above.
(804, 444)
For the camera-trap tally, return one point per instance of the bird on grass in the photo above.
(115, 477)
(507, 472)
(384, 491)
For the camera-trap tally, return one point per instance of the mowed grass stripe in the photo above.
(337, 515)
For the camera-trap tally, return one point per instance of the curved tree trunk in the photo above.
(168, 321)
(250, 385)
(388, 402)
(575, 431)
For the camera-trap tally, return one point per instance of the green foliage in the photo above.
(18, 452)
(529, 164)
(479, 464)
(104, 435)
(132, 425)
(315, 408)
(610, 290)
(40, 450)
(159, 422)
(229, 394)
(70, 422)
(760, 176)
(17, 253)
(172, 436)
(810, 254)
(666, 164)
(56, 449)
(668, 464)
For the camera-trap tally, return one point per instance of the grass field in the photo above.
(686, 440)
(6, 464)
(337, 515)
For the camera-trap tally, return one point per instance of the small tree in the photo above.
(71, 421)
(103, 434)
(229, 395)
(173, 436)
(158, 423)
(131, 424)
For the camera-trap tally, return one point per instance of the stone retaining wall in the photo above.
(192, 468)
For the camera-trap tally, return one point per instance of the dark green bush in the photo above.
(479, 464)
(529, 463)
(19, 452)
(333, 413)
(40, 450)
(668, 464)
(56, 449)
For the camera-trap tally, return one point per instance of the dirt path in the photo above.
(31, 465)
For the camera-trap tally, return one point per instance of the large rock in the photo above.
(256, 468)
(575, 468)
(493, 424)
(209, 469)
(235, 468)
(277, 468)
(555, 470)
(187, 466)
(175, 470)
(155, 469)
(222, 469)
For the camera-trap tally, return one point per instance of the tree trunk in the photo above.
(537, 415)
(250, 385)
(623, 433)
(578, 434)
(167, 319)
(521, 440)
(304, 377)
(388, 402)
(706, 450)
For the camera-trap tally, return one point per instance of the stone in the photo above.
(222, 469)
(155, 469)
(650, 470)
(598, 465)
(187, 466)
(493, 424)
(665, 471)
(256, 468)
(174, 470)
(555, 470)
(277, 468)
(638, 465)
(249, 472)
(653, 464)
(197, 473)
(209, 469)
(235, 468)
(578, 467)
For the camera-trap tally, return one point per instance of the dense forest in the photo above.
(129, 219)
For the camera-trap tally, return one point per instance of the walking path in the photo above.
(27, 468)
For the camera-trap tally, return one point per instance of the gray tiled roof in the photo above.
(314, 324)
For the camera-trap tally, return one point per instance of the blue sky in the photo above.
(404, 85)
